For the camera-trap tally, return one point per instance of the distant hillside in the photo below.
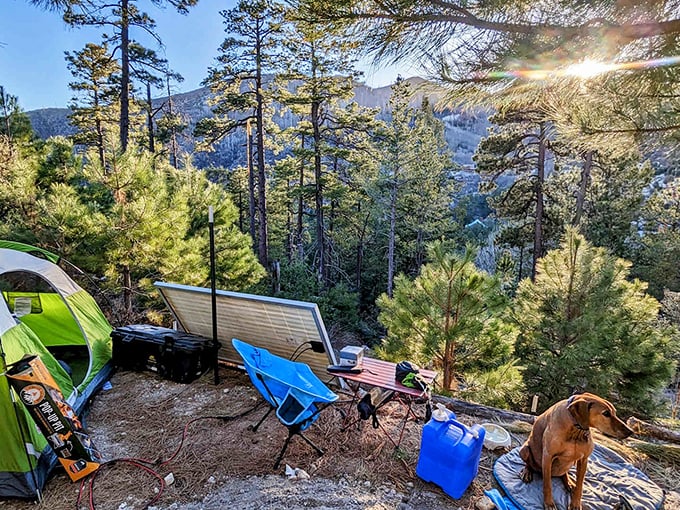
(463, 130)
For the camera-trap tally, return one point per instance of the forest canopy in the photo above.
(571, 191)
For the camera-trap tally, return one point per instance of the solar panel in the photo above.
(282, 326)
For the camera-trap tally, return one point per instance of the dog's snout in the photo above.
(621, 429)
(626, 431)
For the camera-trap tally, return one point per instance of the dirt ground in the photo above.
(221, 463)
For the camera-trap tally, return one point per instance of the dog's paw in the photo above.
(526, 475)
(577, 507)
(551, 506)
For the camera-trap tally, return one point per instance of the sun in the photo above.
(587, 69)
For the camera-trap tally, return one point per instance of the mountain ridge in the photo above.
(463, 130)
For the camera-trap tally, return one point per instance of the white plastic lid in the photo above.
(440, 412)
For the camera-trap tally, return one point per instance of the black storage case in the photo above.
(174, 355)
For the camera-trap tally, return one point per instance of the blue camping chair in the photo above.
(291, 388)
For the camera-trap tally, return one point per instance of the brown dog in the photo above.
(561, 438)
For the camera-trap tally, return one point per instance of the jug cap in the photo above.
(440, 413)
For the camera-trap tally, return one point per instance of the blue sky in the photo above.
(33, 42)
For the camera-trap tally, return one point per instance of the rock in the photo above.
(484, 503)
(301, 474)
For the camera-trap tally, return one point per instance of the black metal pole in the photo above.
(213, 293)
(24, 440)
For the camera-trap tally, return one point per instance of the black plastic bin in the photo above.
(174, 355)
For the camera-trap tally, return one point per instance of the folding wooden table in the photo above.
(381, 374)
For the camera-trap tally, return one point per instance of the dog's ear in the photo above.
(580, 410)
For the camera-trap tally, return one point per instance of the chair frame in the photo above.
(293, 430)
(277, 404)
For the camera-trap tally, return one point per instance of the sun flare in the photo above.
(588, 68)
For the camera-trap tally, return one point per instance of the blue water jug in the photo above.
(449, 453)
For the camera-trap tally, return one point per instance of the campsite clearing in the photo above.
(224, 464)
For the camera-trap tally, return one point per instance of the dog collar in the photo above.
(576, 424)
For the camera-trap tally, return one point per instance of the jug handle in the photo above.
(463, 428)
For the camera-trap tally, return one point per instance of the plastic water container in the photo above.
(449, 453)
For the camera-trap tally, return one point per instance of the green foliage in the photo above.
(584, 326)
(501, 387)
(615, 201)
(59, 163)
(139, 222)
(338, 305)
(450, 317)
(658, 248)
(94, 111)
(15, 126)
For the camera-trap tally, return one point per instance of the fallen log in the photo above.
(482, 411)
(644, 428)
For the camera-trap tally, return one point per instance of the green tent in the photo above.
(44, 312)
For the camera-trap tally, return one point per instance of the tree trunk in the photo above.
(360, 248)
(647, 429)
(262, 247)
(481, 411)
(8, 125)
(583, 187)
(540, 180)
(391, 237)
(452, 318)
(318, 193)
(127, 291)
(149, 120)
(420, 249)
(100, 145)
(173, 128)
(290, 237)
(125, 75)
(300, 208)
(100, 133)
(251, 182)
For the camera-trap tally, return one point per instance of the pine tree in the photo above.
(93, 108)
(450, 316)
(614, 202)
(520, 146)
(240, 85)
(397, 163)
(414, 183)
(657, 248)
(428, 212)
(171, 125)
(585, 326)
(320, 69)
(15, 125)
(121, 16)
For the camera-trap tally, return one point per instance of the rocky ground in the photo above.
(187, 433)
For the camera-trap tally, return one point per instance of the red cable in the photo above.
(142, 463)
